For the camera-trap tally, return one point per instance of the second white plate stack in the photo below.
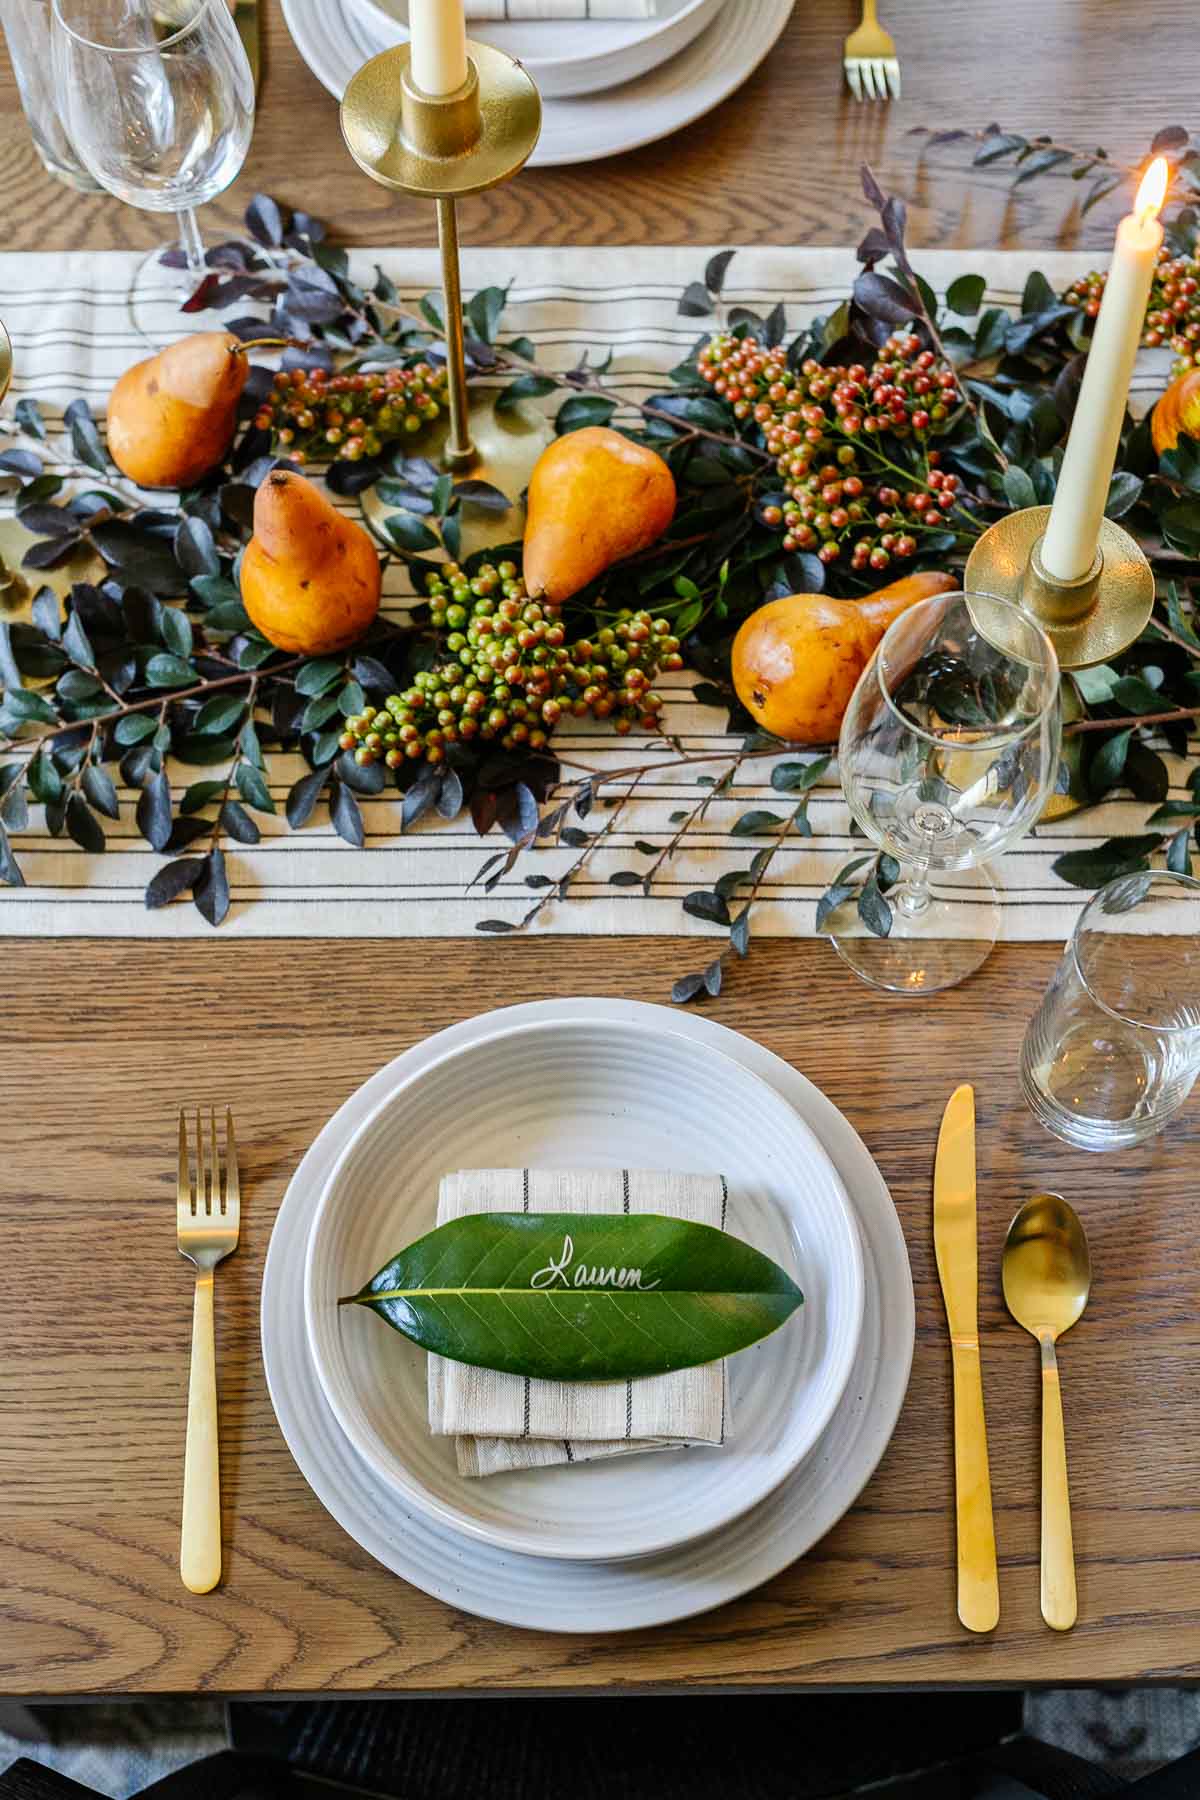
(633, 1541)
(607, 84)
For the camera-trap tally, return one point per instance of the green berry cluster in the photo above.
(506, 673)
(818, 423)
(312, 414)
(1172, 312)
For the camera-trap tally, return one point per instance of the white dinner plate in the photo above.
(571, 56)
(538, 1592)
(335, 39)
(579, 1093)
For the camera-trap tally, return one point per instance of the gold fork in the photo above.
(208, 1213)
(870, 61)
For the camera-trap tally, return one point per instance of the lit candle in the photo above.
(1069, 546)
(439, 45)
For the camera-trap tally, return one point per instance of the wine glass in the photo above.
(158, 98)
(949, 747)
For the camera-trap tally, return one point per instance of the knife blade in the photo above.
(246, 18)
(955, 1237)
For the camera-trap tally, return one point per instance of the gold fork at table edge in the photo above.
(870, 61)
(208, 1216)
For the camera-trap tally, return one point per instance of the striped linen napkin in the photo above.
(504, 1422)
(561, 9)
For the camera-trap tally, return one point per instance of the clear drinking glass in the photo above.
(1114, 1048)
(27, 31)
(159, 101)
(948, 749)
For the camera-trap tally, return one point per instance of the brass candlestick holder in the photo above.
(441, 148)
(1089, 620)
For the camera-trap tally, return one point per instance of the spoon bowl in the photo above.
(1047, 1275)
(1047, 1268)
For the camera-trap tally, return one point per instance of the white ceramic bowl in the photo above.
(572, 56)
(586, 1094)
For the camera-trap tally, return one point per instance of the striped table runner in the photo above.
(72, 334)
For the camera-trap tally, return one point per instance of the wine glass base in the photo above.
(926, 950)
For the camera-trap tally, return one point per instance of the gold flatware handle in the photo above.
(1059, 1603)
(200, 1539)
(978, 1583)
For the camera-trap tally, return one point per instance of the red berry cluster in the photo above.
(507, 674)
(310, 413)
(818, 423)
(1172, 312)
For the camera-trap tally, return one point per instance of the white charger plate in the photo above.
(572, 56)
(335, 40)
(539, 1593)
(563, 1093)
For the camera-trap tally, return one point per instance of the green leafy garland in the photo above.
(885, 437)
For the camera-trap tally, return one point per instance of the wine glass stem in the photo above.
(911, 893)
(192, 242)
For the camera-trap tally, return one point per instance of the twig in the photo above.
(251, 676)
(1163, 718)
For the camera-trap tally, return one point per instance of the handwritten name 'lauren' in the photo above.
(563, 1271)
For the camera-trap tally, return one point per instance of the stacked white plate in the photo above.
(599, 1546)
(607, 85)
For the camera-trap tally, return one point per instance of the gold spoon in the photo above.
(1047, 1273)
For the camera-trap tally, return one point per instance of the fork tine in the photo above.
(183, 1190)
(892, 69)
(233, 1190)
(214, 1165)
(854, 78)
(201, 1172)
(881, 87)
(868, 80)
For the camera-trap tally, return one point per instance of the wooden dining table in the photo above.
(103, 1040)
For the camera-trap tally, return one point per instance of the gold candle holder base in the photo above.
(1089, 620)
(440, 147)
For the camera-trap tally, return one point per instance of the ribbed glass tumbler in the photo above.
(1114, 1048)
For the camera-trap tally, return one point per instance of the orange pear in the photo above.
(172, 417)
(594, 498)
(795, 661)
(311, 579)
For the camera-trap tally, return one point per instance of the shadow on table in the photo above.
(718, 1747)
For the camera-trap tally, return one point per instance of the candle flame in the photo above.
(1152, 192)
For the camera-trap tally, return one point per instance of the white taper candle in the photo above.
(1073, 530)
(439, 45)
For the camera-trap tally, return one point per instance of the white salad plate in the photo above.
(563, 1093)
(335, 38)
(544, 1593)
(572, 56)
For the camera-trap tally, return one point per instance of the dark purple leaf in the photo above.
(884, 298)
(346, 815)
(211, 889)
(303, 797)
(264, 221)
(153, 812)
(173, 879)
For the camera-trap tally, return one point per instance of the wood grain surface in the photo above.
(102, 1043)
(777, 163)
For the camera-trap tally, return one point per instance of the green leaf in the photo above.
(408, 533)
(318, 677)
(1108, 764)
(1019, 490)
(483, 312)
(10, 871)
(1179, 855)
(166, 670)
(85, 439)
(755, 823)
(1136, 695)
(177, 631)
(134, 727)
(199, 795)
(1172, 810)
(1124, 491)
(23, 704)
(220, 713)
(991, 333)
(525, 387)
(583, 409)
(253, 788)
(798, 777)
(1116, 856)
(581, 1297)
(99, 787)
(965, 296)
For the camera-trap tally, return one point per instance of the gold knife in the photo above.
(245, 17)
(954, 1236)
